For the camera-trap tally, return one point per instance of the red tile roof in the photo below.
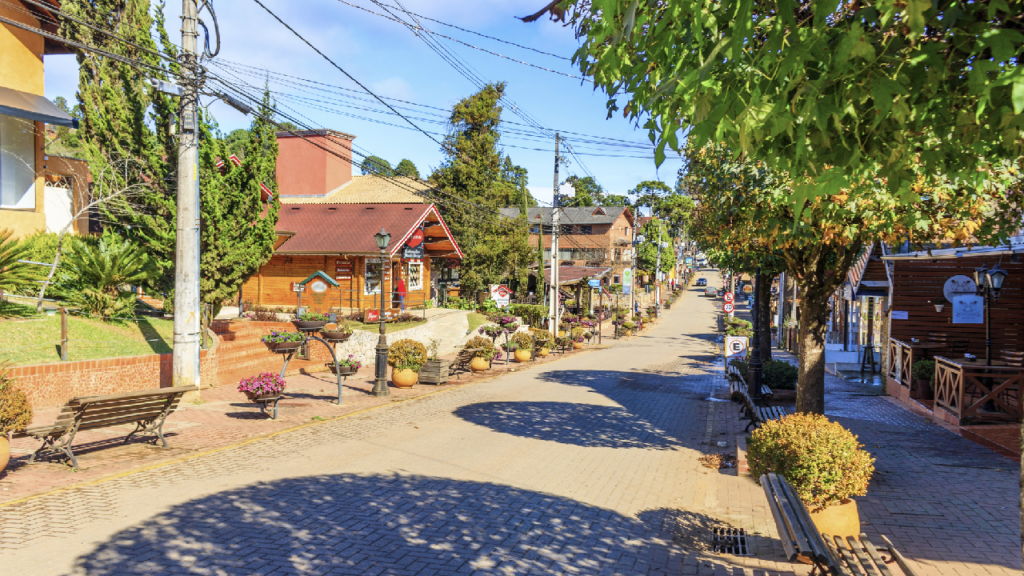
(573, 274)
(349, 228)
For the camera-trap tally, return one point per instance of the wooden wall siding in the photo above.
(272, 285)
(875, 269)
(916, 283)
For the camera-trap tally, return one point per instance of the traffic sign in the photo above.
(727, 307)
(728, 297)
(735, 347)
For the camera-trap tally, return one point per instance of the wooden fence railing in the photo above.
(966, 390)
(900, 359)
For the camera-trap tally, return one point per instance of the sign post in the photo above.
(735, 347)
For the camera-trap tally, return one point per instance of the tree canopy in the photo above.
(656, 232)
(847, 94)
(407, 168)
(376, 165)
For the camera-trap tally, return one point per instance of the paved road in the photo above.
(579, 467)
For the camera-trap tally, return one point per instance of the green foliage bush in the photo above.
(780, 375)
(94, 275)
(822, 460)
(485, 344)
(312, 317)
(407, 354)
(577, 334)
(533, 314)
(924, 370)
(522, 341)
(739, 327)
(15, 409)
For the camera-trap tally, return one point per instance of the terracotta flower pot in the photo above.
(335, 336)
(5, 452)
(542, 352)
(343, 370)
(282, 347)
(577, 345)
(404, 378)
(923, 389)
(309, 324)
(522, 355)
(479, 364)
(838, 520)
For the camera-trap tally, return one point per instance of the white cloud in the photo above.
(394, 87)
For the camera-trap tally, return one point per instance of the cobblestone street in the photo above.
(585, 465)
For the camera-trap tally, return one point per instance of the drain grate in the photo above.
(729, 541)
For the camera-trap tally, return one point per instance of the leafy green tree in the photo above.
(377, 165)
(655, 231)
(475, 172)
(407, 168)
(103, 270)
(237, 226)
(236, 142)
(588, 192)
(649, 193)
(846, 94)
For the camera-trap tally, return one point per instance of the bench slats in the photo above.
(105, 411)
(788, 543)
(900, 561)
(142, 394)
(873, 553)
(839, 554)
(797, 532)
(869, 567)
(817, 544)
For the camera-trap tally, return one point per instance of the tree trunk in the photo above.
(810, 395)
(764, 318)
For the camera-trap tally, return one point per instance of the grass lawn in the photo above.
(389, 327)
(27, 338)
(476, 320)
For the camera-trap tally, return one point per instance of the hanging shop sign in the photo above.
(968, 309)
(501, 295)
(412, 253)
(416, 239)
(958, 285)
(343, 269)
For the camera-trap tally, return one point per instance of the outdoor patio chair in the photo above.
(1014, 359)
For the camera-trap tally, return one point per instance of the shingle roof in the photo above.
(573, 274)
(370, 189)
(571, 215)
(347, 228)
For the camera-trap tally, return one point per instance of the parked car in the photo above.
(711, 292)
(702, 281)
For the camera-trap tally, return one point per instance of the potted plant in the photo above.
(283, 341)
(262, 386)
(781, 377)
(577, 335)
(435, 370)
(406, 357)
(347, 366)
(923, 372)
(822, 460)
(492, 331)
(310, 321)
(522, 346)
(340, 333)
(15, 414)
(628, 327)
(543, 340)
(482, 358)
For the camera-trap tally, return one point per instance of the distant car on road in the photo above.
(711, 292)
(702, 281)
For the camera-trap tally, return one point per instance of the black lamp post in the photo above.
(989, 283)
(755, 365)
(380, 387)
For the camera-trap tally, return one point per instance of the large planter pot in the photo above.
(404, 378)
(522, 355)
(838, 520)
(923, 390)
(479, 364)
(577, 345)
(542, 352)
(783, 395)
(282, 347)
(335, 336)
(561, 333)
(5, 452)
(434, 372)
(342, 370)
(309, 324)
(260, 397)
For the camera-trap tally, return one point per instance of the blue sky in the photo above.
(391, 61)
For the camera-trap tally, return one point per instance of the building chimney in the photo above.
(313, 162)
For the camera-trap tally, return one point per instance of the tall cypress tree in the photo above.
(473, 172)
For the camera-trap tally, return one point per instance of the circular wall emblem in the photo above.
(318, 286)
(416, 239)
(959, 285)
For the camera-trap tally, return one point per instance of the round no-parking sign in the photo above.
(728, 297)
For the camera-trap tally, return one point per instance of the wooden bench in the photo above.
(462, 361)
(147, 410)
(829, 554)
(751, 411)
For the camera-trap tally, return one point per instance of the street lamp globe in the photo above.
(996, 276)
(980, 277)
(382, 238)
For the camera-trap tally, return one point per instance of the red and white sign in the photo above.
(370, 316)
(416, 239)
(501, 294)
(728, 307)
(729, 297)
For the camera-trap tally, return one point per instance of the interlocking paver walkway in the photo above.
(586, 466)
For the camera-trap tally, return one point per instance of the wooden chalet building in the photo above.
(338, 240)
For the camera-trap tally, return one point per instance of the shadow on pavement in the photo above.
(585, 425)
(350, 524)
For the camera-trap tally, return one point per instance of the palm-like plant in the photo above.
(103, 273)
(15, 275)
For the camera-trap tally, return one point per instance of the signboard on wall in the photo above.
(412, 253)
(371, 316)
(958, 285)
(968, 309)
(343, 269)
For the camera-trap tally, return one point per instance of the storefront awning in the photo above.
(32, 107)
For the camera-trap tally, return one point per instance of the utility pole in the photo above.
(185, 366)
(632, 267)
(553, 322)
(657, 273)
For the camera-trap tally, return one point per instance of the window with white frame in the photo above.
(17, 163)
(371, 279)
(415, 276)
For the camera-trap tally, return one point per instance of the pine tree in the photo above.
(237, 231)
(377, 165)
(407, 168)
(475, 171)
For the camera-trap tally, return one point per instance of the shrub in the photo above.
(312, 317)
(533, 314)
(102, 271)
(577, 334)
(485, 345)
(276, 337)
(741, 366)
(628, 325)
(739, 327)
(257, 312)
(407, 354)
(542, 334)
(264, 384)
(15, 409)
(924, 370)
(780, 375)
(822, 460)
(434, 349)
(521, 341)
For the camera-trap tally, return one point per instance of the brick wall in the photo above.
(49, 385)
